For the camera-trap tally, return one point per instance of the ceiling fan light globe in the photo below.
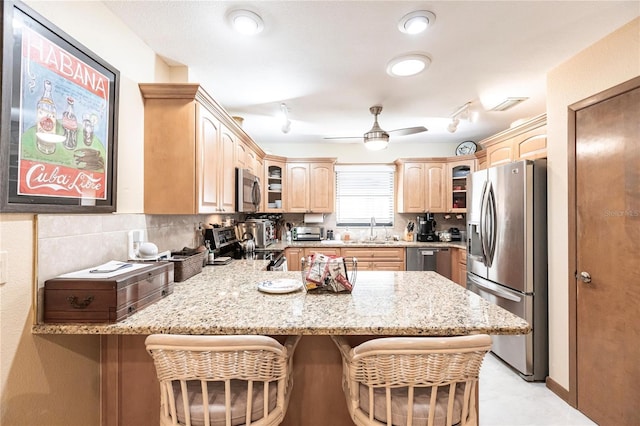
(376, 144)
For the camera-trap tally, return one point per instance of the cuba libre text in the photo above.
(59, 181)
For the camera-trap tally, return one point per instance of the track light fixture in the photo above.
(286, 123)
(461, 113)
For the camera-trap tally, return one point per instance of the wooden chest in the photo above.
(106, 300)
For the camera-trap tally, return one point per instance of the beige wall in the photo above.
(54, 380)
(608, 62)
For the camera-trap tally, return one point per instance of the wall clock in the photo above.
(466, 148)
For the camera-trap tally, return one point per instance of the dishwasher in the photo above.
(436, 259)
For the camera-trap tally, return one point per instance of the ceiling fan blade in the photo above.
(407, 131)
(343, 137)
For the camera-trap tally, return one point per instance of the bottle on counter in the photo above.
(346, 235)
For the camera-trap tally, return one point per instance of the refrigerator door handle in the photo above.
(496, 292)
(492, 225)
(482, 225)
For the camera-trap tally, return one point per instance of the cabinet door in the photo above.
(501, 153)
(298, 187)
(170, 139)
(457, 172)
(207, 161)
(413, 190)
(274, 175)
(241, 155)
(227, 175)
(435, 188)
(294, 257)
(321, 188)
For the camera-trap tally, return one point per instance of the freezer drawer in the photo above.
(526, 353)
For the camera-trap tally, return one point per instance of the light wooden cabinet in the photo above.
(377, 258)
(528, 141)
(294, 257)
(459, 266)
(310, 186)
(227, 174)
(248, 158)
(421, 186)
(241, 160)
(369, 258)
(181, 150)
(275, 170)
(191, 146)
(329, 251)
(457, 172)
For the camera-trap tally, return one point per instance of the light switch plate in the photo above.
(4, 266)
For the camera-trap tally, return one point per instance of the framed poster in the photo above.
(58, 120)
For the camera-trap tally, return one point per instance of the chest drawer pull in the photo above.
(73, 301)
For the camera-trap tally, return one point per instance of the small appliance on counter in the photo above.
(308, 233)
(261, 231)
(455, 234)
(227, 246)
(427, 228)
(139, 248)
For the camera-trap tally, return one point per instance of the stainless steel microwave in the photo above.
(248, 191)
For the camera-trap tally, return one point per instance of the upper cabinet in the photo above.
(190, 149)
(526, 141)
(275, 170)
(457, 172)
(310, 186)
(421, 186)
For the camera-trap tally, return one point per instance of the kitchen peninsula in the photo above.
(225, 300)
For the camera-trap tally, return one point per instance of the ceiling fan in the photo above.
(376, 138)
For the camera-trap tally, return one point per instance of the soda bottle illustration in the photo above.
(46, 122)
(70, 125)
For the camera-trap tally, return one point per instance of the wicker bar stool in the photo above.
(411, 381)
(222, 380)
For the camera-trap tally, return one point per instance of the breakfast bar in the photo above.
(226, 300)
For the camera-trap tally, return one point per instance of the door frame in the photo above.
(572, 396)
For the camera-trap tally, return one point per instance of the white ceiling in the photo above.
(327, 59)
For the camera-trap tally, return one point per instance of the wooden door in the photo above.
(607, 248)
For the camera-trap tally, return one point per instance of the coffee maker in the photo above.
(427, 228)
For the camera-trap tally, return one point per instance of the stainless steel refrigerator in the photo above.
(507, 255)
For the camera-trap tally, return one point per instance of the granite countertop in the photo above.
(225, 300)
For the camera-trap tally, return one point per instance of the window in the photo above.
(363, 192)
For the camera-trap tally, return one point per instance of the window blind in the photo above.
(363, 192)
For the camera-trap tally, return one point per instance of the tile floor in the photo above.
(508, 400)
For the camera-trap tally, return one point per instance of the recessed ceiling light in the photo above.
(416, 22)
(245, 22)
(407, 65)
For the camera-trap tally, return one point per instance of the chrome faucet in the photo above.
(373, 223)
